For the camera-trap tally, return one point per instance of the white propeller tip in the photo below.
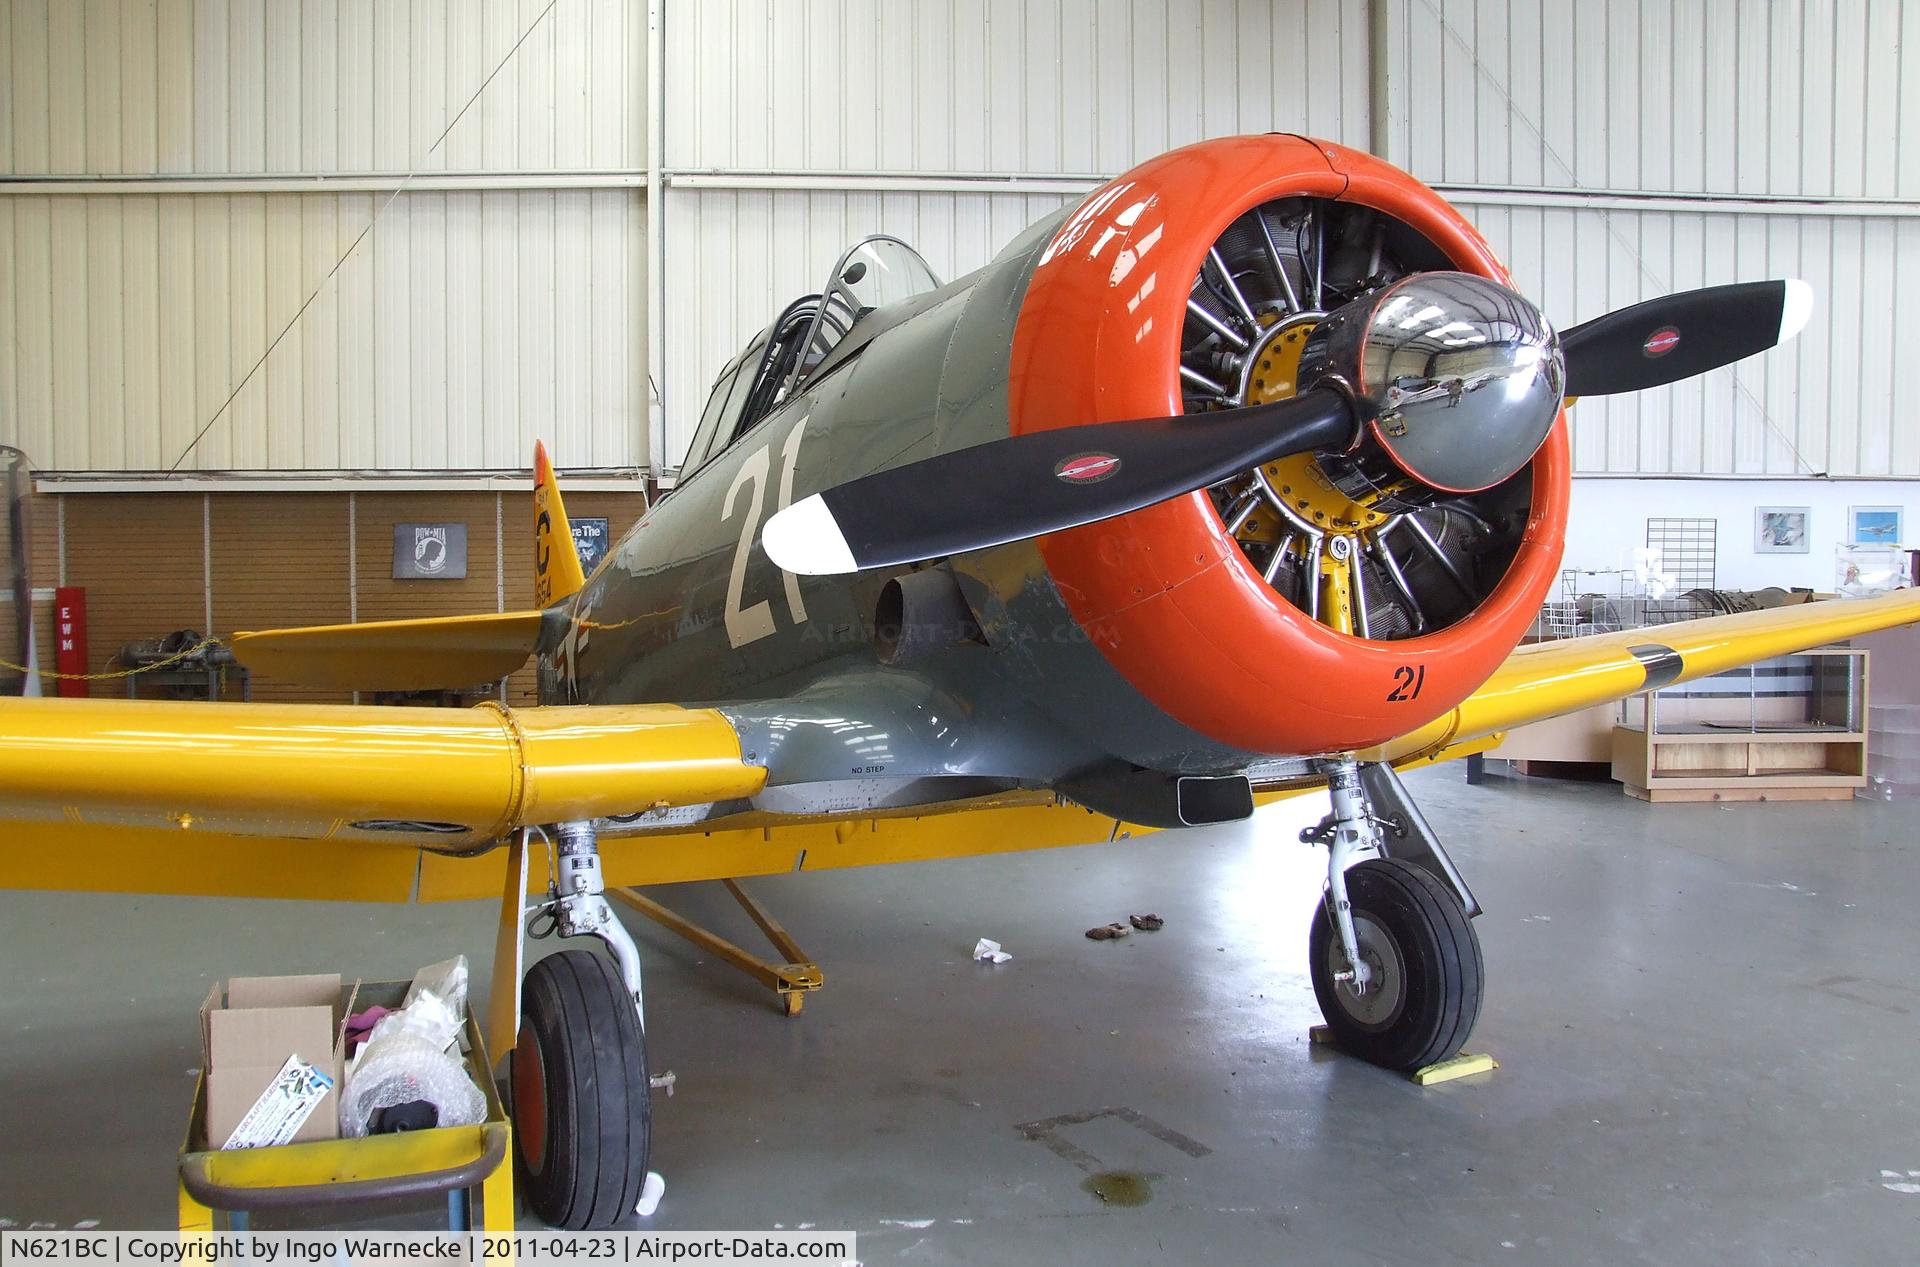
(804, 539)
(1796, 306)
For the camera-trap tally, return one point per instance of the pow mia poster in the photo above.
(589, 542)
(429, 552)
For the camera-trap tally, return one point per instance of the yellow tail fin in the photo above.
(556, 563)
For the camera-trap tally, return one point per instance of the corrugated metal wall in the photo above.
(1034, 87)
(792, 129)
(1786, 137)
(1748, 97)
(502, 295)
(505, 294)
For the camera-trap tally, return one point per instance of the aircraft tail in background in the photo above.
(556, 563)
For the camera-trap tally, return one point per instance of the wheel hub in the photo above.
(1377, 1005)
(530, 1100)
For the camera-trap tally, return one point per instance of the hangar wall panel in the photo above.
(461, 327)
(1736, 97)
(1006, 86)
(471, 320)
(222, 562)
(466, 322)
(1786, 139)
(1829, 403)
(142, 559)
(173, 87)
(907, 93)
(275, 560)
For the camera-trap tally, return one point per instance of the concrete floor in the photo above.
(1706, 1018)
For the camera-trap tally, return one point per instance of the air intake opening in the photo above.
(1223, 799)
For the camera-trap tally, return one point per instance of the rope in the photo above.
(412, 171)
(195, 649)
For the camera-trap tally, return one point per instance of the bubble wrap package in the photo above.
(410, 1056)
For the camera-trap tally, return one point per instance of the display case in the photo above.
(1790, 728)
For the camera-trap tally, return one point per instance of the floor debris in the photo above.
(988, 951)
(1107, 932)
(650, 1193)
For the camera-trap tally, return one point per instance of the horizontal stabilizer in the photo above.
(437, 653)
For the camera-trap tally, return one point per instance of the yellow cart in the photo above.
(459, 1162)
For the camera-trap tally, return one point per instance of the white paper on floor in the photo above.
(989, 951)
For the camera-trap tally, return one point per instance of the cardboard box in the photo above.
(250, 1028)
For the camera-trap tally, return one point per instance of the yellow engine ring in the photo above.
(1273, 373)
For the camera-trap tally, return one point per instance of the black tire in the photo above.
(582, 1106)
(1412, 927)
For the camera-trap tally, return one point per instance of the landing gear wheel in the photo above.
(1424, 957)
(582, 1106)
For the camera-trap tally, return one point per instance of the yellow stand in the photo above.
(454, 1163)
(1465, 1065)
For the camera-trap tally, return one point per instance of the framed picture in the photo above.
(429, 552)
(1874, 525)
(1780, 529)
(589, 542)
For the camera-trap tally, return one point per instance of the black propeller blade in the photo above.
(1023, 486)
(1678, 336)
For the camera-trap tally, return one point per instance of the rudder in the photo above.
(556, 563)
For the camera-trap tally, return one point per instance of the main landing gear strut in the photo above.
(582, 1100)
(1393, 956)
(580, 1088)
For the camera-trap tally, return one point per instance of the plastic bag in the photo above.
(1862, 571)
(406, 1059)
(447, 980)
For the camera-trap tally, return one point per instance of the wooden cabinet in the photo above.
(1582, 737)
(1793, 728)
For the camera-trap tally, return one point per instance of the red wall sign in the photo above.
(70, 637)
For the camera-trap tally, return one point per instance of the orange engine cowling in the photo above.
(1224, 607)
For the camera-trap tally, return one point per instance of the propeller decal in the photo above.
(1661, 341)
(1087, 468)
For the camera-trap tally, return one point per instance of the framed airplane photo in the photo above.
(1875, 525)
(1780, 529)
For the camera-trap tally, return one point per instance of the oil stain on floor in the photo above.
(1119, 1187)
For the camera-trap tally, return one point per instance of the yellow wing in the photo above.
(1551, 678)
(446, 779)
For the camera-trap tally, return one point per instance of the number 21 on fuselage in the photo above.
(749, 625)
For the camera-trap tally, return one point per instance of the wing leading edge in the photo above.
(1551, 678)
(445, 779)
